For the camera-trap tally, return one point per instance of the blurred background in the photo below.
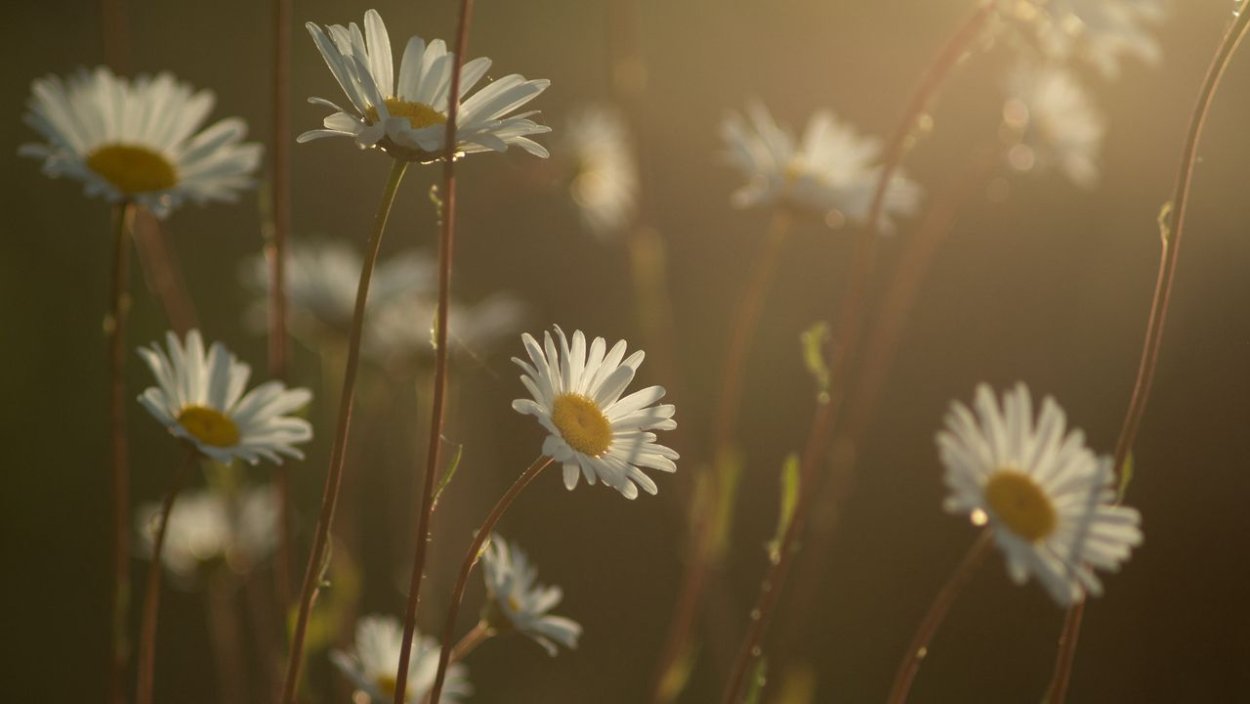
(1039, 281)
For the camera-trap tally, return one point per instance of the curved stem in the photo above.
(470, 559)
(849, 330)
(480, 633)
(435, 443)
(115, 325)
(1169, 256)
(152, 595)
(313, 571)
(918, 649)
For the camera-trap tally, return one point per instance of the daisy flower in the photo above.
(604, 183)
(137, 140)
(200, 398)
(374, 657)
(1098, 31)
(832, 171)
(593, 431)
(1057, 121)
(403, 330)
(207, 528)
(407, 117)
(1050, 501)
(515, 601)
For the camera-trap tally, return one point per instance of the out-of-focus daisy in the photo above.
(830, 172)
(1101, 32)
(137, 140)
(207, 528)
(517, 602)
(199, 397)
(374, 658)
(604, 182)
(1057, 122)
(1049, 500)
(403, 330)
(407, 117)
(593, 431)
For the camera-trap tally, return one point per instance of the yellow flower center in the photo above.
(582, 425)
(132, 169)
(418, 114)
(386, 685)
(1020, 504)
(513, 604)
(209, 426)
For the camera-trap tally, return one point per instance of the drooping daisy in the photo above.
(604, 183)
(374, 658)
(207, 528)
(1057, 122)
(516, 602)
(832, 171)
(1101, 32)
(593, 431)
(199, 398)
(137, 140)
(1049, 500)
(407, 117)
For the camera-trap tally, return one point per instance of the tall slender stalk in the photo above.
(1169, 256)
(848, 335)
(162, 273)
(466, 567)
(435, 442)
(329, 499)
(115, 327)
(152, 595)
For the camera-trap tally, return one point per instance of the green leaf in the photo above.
(677, 676)
(759, 677)
(451, 472)
(718, 498)
(813, 342)
(1126, 477)
(789, 498)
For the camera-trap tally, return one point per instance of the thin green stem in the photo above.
(434, 445)
(152, 595)
(115, 327)
(1168, 259)
(338, 451)
(466, 567)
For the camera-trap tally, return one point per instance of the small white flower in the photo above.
(137, 140)
(207, 528)
(832, 169)
(517, 602)
(1049, 500)
(373, 660)
(200, 398)
(577, 398)
(407, 117)
(604, 183)
(403, 331)
(1098, 31)
(1057, 121)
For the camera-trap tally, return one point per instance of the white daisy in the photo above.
(407, 117)
(200, 398)
(577, 398)
(137, 141)
(403, 330)
(604, 183)
(374, 658)
(1057, 121)
(831, 171)
(517, 602)
(1049, 500)
(1098, 31)
(207, 528)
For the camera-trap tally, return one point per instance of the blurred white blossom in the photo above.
(1057, 123)
(604, 175)
(518, 602)
(1101, 32)
(372, 662)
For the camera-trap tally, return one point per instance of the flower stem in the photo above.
(162, 274)
(435, 443)
(466, 567)
(849, 331)
(480, 633)
(1168, 258)
(115, 328)
(313, 571)
(918, 649)
(152, 595)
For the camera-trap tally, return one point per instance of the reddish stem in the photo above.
(115, 325)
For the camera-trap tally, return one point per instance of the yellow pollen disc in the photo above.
(386, 685)
(582, 425)
(1020, 504)
(418, 114)
(209, 426)
(794, 171)
(132, 169)
(514, 604)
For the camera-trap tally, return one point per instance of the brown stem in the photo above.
(918, 648)
(226, 639)
(162, 273)
(846, 345)
(329, 499)
(115, 33)
(480, 633)
(466, 567)
(152, 595)
(435, 442)
(115, 327)
(1169, 256)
